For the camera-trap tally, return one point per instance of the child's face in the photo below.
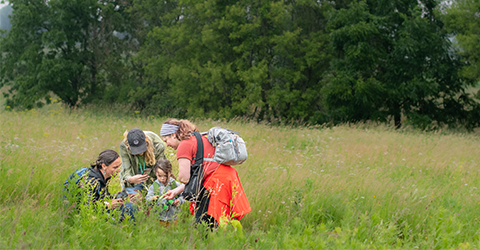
(162, 176)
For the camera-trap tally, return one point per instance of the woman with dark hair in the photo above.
(107, 164)
(222, 196)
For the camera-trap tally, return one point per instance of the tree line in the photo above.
(407, 61)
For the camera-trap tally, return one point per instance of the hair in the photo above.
(149, 154)
(185, 128)
(106, 157)
(164, 165)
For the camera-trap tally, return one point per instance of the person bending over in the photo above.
(222, 196)
(139, 152)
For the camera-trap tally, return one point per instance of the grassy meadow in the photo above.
(344, 187)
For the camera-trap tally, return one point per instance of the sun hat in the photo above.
(136, 141)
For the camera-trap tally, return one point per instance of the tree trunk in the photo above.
(397, 115)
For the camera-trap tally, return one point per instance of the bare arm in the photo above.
(183, 170)
(172, 192)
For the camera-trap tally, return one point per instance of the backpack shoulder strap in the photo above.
(199, 154)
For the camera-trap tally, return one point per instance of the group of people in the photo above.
(146, 177)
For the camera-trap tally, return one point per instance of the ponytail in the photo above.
(106, 157)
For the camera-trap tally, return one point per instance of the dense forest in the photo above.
(406, 61)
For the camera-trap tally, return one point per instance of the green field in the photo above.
(344, 187)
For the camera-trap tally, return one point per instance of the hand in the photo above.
(176, 202)
(170, 194)
(136, 197)
(116, 203)
(136, 179)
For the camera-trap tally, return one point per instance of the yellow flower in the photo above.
(136, 112)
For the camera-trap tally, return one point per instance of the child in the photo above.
(167, 210)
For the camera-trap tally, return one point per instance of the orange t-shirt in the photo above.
(227, 197)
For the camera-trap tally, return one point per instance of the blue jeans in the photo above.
(131, 190)
(128, 210)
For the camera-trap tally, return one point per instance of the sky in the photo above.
(1, 4)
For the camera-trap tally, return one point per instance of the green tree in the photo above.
(463, 22)
(60, 47)
(394, 59)
(228, 58)
(145, 86)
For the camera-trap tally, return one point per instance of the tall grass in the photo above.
(350, 186)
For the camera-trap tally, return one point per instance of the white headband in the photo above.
(168, 129)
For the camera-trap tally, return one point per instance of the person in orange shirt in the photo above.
(222, 197)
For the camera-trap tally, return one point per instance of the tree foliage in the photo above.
(60, 47)
(262, 59)
(314, 61)
(394, 58)
(463, 21)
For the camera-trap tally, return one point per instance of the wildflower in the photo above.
(136, 112)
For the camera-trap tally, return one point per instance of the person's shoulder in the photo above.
(122, 145)
(92, 172)
(152, 135)
(190, 140)
(92, 175)
(187, 144)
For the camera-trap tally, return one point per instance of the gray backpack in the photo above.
(230, 148)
